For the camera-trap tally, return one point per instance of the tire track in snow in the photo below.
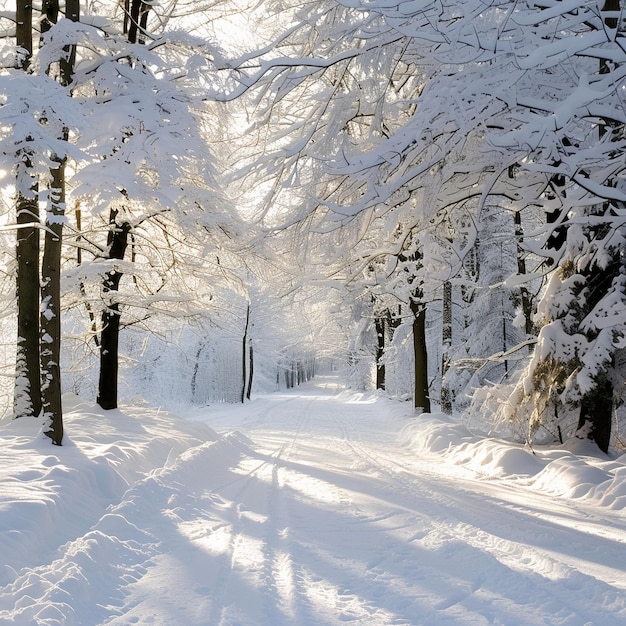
(331, 523)
(281, 573)
(523, 553)
(263, 515)
(343, 600)
(270, 489)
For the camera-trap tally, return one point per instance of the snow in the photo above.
(314, 506)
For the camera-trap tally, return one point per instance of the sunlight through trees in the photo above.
(218, 197)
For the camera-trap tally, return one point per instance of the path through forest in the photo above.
(327, 518)
(310, 507)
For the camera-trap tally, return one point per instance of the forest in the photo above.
(203, 200)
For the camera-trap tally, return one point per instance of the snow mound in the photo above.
(52, 494)
(576, 469)
(75, 518)
(570, 476)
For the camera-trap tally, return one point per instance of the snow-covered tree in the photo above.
(572, 131)
(382, 120)
(416, 96)
(125, 127)
(36, 123)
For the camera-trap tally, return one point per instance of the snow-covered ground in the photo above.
(317, 506)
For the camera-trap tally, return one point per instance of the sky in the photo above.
(315, 506)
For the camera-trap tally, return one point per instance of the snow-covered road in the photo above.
(316, 507)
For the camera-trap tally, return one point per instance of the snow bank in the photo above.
(52, 494)
(79, 519)
(576, 469)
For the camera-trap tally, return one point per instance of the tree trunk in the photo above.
(596, 409)
(135, 19)
(244, 350)
(421, 399)
(379, 323)
(67, 63)
(27, 392)
(49, 14)
(24, 31)
(51, 307)
(135, 12)
(194, 376)
(526, 302)
(51, 264)
(251, 375)
(117, 241)
(446, 345)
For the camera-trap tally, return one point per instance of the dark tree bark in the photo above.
(117, 241)
(558, 235)
(51, 308)
(446, 346)
(525, 298)
(244, 350)
(51, 263)
(421, 398)
(27, 398)
(24, 31)
(596, 410)
(379, 324)
(135, 19)
(49, 14)
(251, 374)
(27, 394)
(67, 63)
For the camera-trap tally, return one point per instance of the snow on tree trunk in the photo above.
(524, 295)
(379, 323)
(27, 392)
(51, 308)
(51, 262)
